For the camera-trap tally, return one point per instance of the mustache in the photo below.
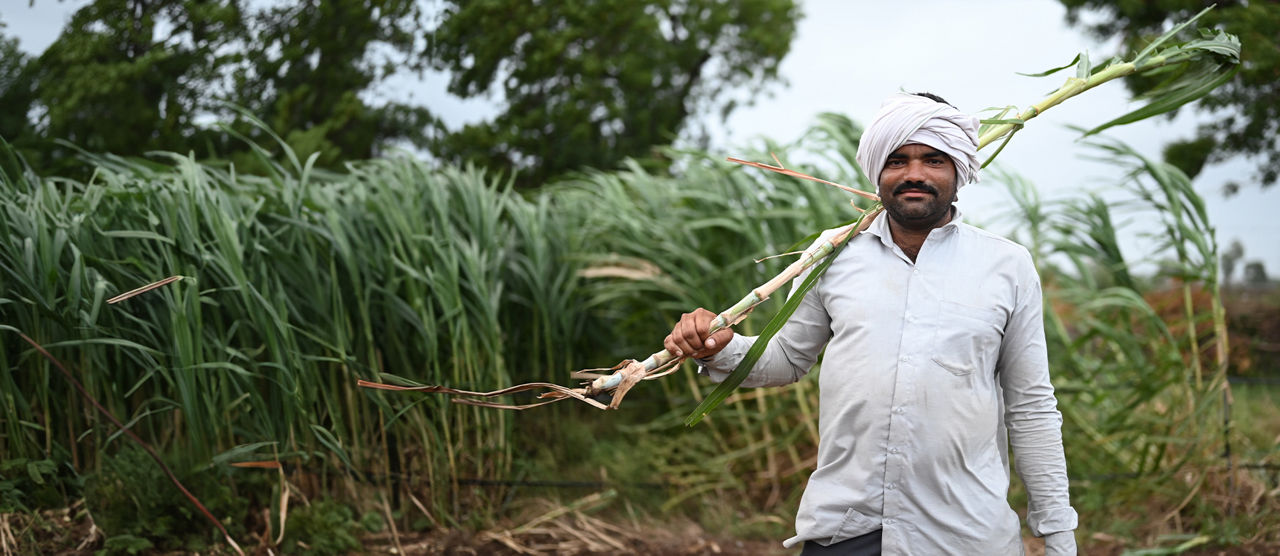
(915, 186)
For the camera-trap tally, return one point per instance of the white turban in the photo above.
(906, 118)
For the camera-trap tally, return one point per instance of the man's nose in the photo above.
(914, 171)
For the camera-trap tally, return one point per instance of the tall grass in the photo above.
(300, 282)
(297, 285)
(1140, 362)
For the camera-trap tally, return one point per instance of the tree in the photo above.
(1230, 258)
(1247, 106)
(1255, 274)
(16, 89)
(587, 84)
(129, 76)
(311, 60)
(584, 83)
(17, 94)
(132, 76)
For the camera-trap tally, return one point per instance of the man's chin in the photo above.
(912, 214)
(913, 218)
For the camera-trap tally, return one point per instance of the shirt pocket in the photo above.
(967, 338)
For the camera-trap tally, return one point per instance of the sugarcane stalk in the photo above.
(740, 310)
(1073, 86)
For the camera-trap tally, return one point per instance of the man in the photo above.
(935, 362)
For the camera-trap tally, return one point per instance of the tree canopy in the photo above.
(311, 60)
(580, 84)
(591, 83)
(1247, 107)
(15, 87)
(124, 76)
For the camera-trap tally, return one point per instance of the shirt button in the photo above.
(893, 450)
(899, 410)
(904, 358)
(888, 521)
(891, 486)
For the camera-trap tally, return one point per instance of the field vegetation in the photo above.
(299, 282)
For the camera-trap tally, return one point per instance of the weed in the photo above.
(133, 502)
(321, 528)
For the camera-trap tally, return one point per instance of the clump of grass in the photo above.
(321, 528)
(133, 503)
(27, 484)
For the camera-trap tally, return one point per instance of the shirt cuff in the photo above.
(1062, 543)
(720, 365)
(1052, 520)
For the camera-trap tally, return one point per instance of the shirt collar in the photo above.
(880, 226)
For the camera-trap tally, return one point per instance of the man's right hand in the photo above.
(689, 338)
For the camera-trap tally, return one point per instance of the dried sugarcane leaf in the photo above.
(495, 405)
(143, 289)
(798, 174)
(555, 388)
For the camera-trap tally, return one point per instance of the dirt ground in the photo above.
(58, 533)
(69, 532)
(695, 542)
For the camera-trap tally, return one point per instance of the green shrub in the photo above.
(323, 527)
(27, 485)
(134, 503)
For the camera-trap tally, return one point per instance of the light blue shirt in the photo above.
(932, 369)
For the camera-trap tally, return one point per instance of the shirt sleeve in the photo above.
(1031, 414)
(793, 351)
(1062, 543)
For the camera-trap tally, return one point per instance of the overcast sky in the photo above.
(849, 55)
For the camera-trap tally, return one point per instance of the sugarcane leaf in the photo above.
(328, 440)
(1054, 70)
(105, 342)
(1168, 35)
(1011, 121)
(1001, 147)
(1168, 102)
(728, 224)
(136, 234)
(1219, 42)
(398, 380)
(239, 452)
(1084, 69)
(998, 119)
(1183, 76)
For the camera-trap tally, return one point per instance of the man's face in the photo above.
(917, 186)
